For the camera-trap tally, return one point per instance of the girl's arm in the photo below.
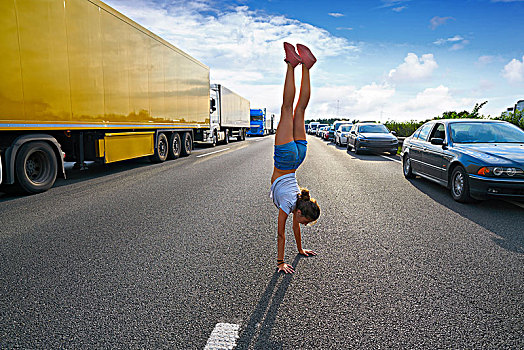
(298, 236)
(281, 242)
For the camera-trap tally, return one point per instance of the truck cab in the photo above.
(259, 125)
(228, 116)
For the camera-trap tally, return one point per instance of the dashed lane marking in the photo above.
(223, 337)
(207, 154)
(395, 160)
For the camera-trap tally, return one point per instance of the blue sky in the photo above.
(377, 59)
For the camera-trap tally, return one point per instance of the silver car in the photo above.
(319, 128)
(342, 133)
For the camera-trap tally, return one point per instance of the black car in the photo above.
(473, 158)
(372, 137)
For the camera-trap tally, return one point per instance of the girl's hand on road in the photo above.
(307, 252)
(286, 268)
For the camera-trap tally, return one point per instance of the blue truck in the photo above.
(260, 124)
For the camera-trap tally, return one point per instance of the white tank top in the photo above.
(284, 192)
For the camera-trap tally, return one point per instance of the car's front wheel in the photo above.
(355, 148)
(406, 167)
(460, 185)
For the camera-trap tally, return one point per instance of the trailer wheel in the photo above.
(161, 149)
(35, 167)
(187, 144)
(175, 146)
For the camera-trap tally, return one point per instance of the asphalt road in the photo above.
(134, 255)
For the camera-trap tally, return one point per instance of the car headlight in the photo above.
(499, 171)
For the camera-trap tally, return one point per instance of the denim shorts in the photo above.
(290, 155)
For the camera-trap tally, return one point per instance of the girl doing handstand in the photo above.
(289, 153)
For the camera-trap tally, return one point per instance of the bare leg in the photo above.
(284, 132)
(299, 129)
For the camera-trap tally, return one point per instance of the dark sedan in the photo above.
(473, 158)
(372, 137)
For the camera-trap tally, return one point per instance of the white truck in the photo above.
(228, 117)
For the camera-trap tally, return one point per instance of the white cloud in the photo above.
(431, 96)
(484, 86)
(457, 41)
(399, 9)
(438, 21)
(382, 102)
(336, 14)
(484, 60)
(514, 71)
(448, 40)
(395, 5)
(459, 46)
(432, 102)
(413, 68)
(352, 102)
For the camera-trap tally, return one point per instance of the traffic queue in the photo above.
(475, 159)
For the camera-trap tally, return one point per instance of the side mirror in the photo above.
(394, 132)
(437, 141)
(212, 104)
(353, 132)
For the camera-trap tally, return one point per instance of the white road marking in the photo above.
(398, 161)
(516, 203)
(207, 154)
(223, 337)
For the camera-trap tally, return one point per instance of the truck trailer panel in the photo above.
(81, 64)
(234, 109)
(115, 147)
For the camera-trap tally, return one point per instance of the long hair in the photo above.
(308, 206)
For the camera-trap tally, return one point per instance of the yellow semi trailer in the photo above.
(80, 81)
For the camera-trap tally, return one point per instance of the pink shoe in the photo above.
(307, 57)
(291, 56)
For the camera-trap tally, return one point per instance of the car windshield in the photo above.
(345, 128)
(377, 129)
(486, 133)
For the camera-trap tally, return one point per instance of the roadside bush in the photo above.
(515, 117)
(403, 129)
